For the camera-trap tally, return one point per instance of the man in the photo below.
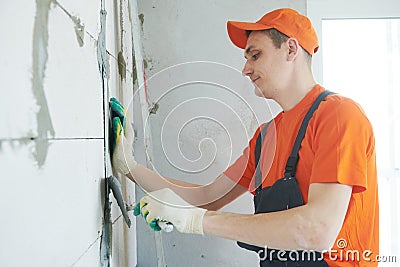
(336, 170)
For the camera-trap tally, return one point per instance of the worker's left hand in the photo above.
(166, 205)
(122, 137)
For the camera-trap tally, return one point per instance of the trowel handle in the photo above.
(166, 226)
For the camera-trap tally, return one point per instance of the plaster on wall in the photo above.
(101, 46)
(141, 18)
(134, 71)
(39, 60)
(79, 26)
(120, 57)
(147, 61)
(79, 30)
(121, 65)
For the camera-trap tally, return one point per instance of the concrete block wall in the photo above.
(52, 131)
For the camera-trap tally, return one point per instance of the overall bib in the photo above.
(283, 194)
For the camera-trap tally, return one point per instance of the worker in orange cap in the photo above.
(312, 169)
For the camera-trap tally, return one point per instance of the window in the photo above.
(361, 60)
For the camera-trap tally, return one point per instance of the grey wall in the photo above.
(205, 111)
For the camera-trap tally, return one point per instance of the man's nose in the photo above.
(247, 69)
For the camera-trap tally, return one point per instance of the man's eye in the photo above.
(255, 56)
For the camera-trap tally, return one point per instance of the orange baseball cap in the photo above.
(286, 20)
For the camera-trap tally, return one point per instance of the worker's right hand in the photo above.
(165, 205)
(123, 136)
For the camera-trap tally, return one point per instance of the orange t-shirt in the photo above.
(338, 147)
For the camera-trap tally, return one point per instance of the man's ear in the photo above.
(293, 48)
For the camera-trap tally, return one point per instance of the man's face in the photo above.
(265, 64)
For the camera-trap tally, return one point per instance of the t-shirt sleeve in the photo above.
(242, 171)
(343, 145)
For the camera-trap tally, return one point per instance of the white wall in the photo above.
(206, 112)
(52, 129)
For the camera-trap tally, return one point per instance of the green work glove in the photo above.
(117, 111)
(165, 205)
(153, 224)
(121, 138)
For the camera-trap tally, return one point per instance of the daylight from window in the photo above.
(361, 60)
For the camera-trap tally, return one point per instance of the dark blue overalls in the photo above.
(283, 194)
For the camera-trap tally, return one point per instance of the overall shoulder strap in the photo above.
(257, 152)
(291, 164)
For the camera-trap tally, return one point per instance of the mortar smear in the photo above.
(39, 60)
